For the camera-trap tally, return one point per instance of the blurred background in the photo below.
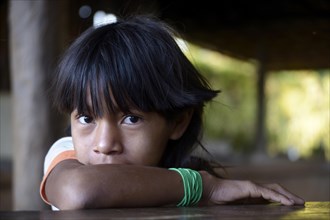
(270, 59)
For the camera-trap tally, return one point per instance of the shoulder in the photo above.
(62, 145)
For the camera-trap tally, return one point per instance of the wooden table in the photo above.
(311, 211)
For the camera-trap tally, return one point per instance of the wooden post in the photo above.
(35, 38)
(260, 139)
(260, 154)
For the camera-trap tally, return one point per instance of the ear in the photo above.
(180, 124)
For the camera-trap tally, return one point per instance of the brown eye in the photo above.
(131, 119)
(84, 119)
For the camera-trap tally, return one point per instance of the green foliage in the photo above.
(298, 112)
(297, 108)
(231, 116)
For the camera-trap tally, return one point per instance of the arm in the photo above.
(72, 185)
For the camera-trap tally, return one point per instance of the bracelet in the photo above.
(192, 184)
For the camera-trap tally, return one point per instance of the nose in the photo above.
(107, 139)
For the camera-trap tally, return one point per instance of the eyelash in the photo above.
(82, 119)
(130, 117)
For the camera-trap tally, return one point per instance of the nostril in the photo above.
(107, 150)
(96, 149)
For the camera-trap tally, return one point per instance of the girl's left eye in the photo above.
(131, 119)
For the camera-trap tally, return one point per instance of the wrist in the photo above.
(192, 184)
(207, 180)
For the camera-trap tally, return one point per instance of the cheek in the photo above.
(81, 150)
(155, 143)
(150, 152)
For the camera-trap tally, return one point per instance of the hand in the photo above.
(223, 191)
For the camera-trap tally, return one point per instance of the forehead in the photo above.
(102, 102)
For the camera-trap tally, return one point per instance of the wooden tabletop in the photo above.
(311, 211)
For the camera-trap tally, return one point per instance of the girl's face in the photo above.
(138, 138)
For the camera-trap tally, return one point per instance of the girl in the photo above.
(135, 104)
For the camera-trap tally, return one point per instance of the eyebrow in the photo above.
(105, 109)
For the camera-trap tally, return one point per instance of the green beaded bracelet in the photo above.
(192, 184)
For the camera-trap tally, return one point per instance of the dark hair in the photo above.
(135, 63)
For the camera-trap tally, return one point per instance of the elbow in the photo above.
(75, 190)
(75, 193)
(74, 197)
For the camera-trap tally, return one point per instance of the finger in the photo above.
(280, 189)
(271, 195)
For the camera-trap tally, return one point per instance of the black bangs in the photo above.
(86, 79)
(128, 65)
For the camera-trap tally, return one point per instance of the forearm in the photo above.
(72, 185)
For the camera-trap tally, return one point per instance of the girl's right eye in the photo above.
(84, 119)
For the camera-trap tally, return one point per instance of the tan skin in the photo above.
(117, 167)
